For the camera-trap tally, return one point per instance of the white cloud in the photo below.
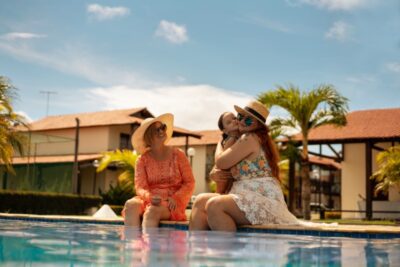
(172, 32)
(359, 79)
(393, 66)
(25, 115)
(76, 62)
(268, 24)
(21, 36)
(196, 107)
(106, 12)
(331, 4)
(340, 31)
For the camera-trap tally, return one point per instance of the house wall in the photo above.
(354, 184)
(114, 135)
(199, 168)
(91, 140)
(91, 182)
(353, 178)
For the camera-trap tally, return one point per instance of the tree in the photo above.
(307, 110)
(388, 173)
(125, 187)
(10, 138)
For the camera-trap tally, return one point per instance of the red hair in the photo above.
(270, 150)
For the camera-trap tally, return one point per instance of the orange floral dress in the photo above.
(167, 178)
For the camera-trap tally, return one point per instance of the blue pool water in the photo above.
(27, 243)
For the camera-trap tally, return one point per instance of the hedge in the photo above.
(46, 203)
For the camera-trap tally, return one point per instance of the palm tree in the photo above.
(10, 139)
(125, 187)
(307, 110)
(389, 169)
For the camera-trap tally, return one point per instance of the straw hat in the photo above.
(138, 136)
(256, 110)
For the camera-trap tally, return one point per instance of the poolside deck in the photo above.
(354, 231)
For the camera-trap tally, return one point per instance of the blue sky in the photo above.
(196, 59)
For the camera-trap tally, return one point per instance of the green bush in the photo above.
(333, 215)
(46, 203)
(117, 195)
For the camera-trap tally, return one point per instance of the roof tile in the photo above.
(362, 124)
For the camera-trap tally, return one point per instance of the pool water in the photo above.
(75, 244)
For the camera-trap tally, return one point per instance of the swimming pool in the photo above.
(78, 244)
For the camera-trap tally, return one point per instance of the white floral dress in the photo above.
(258, 194)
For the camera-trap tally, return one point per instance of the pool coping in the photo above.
(322, 230)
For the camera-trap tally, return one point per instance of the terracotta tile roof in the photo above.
(361, 125)
(100, 118)
(179, 132)
(208, 137)
(109, 117)
(55, 159)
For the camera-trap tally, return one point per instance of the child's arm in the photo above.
(230, 141)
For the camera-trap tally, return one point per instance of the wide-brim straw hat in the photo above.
(256, 110)
(138, 142)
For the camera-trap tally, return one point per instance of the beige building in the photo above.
(49, 163)
(201, 155)
(366, 134)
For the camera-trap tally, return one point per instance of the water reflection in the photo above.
(40, 244)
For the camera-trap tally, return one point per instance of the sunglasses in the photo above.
(161, 128)
(247, 120)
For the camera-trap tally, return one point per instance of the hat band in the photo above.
(255, 113)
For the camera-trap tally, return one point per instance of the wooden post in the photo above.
(292, 170)
(75, 167)
(186, 145)
(368, 182)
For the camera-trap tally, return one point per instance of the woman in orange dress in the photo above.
(164, 180)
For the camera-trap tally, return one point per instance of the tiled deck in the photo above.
(354, 231)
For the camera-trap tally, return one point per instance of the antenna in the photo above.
(48, 93)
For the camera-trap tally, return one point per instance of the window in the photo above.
(124, 141)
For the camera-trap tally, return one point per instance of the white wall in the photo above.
(353, 178)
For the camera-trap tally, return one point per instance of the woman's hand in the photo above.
(219, 175)
(155, 200)
(171, 203)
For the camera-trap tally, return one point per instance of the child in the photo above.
(227, 123)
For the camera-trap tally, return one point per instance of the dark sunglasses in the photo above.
(247, 120)
(161, 128)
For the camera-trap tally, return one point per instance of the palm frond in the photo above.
(125, 160)
(388, 174)
(9, 138)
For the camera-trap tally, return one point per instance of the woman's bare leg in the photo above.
(224, 215)
(198, 216)
(133, 211)
(154, 214)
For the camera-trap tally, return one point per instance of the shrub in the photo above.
(46, 203)
(333, 215)
(117, 195)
